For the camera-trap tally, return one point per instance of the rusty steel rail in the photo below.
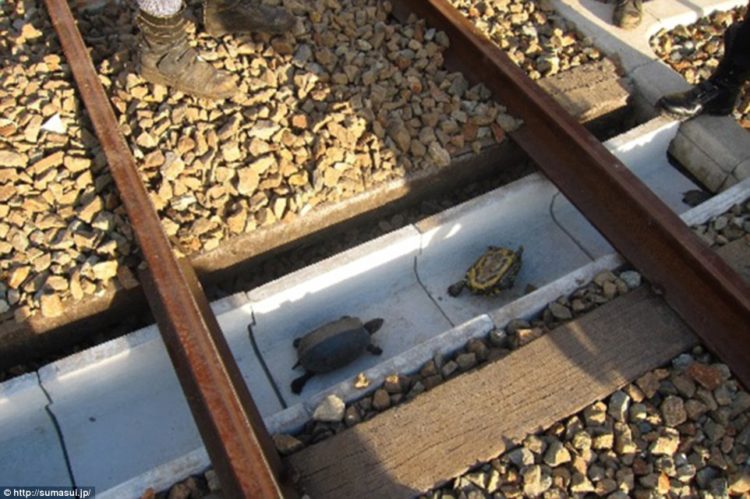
(696, 282)
(232, 429)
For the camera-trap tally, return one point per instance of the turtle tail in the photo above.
(299, 383)
(373, 325)
(456, 288)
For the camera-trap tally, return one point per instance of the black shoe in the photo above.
(709, 97)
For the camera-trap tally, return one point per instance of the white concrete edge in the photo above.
(691, 14)
(330, 271)
(534, 302)
(453, 213)
(293, 418)
(111, 349)
(160, 478)
(100, 353)
(718, 204)
(13, 386)
(662, 128)
(229, 303)
(197, 461)
(406, 362)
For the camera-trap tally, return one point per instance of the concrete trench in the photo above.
(114, 415)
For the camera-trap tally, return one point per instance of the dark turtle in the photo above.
(333, 345)
(494, 271)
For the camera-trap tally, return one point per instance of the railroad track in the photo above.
(629, 215)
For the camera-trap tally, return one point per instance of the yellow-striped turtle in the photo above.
(494, 271)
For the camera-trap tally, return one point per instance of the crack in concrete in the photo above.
(566, 231)
(58, 431)
(263, 364)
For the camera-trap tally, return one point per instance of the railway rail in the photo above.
(704, 291)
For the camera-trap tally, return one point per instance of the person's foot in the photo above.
(627, 13)
(166, 58)
(223, 17)
(708, 97)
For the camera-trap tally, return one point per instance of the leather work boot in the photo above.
(627, 13)
(711, 96)
(223, 17)
(167, 59)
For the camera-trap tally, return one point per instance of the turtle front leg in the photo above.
(374, 349)
(456, 288)
(299, 383)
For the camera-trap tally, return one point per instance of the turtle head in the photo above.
(373, 325)
(519, 251)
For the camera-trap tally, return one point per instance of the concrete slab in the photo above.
(32, 453)
(514, 215)
(643, 150)
(712, 148)
(670, 13)
(121, 409)
(655, 79)
(375, 279)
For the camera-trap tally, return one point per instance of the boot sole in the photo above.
(224, 32)
(153, 76)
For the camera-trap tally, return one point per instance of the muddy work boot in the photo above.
(166, 58)
(223, 17)
(627, 13)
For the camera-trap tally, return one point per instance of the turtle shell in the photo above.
(333, 345)
(494, 271)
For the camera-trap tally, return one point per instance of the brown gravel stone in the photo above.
(381, 400)
(10, 159)
(707, 376)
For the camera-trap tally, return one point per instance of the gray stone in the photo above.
(556, 454)
(618, 406)
(286, 444)
(466, 361)
(330, 410)
(595, 414)
(535, 481)
(673, 411)
(666, 443)
(499, 338)
(521, 456)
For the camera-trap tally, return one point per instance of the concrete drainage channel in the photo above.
(114, 416)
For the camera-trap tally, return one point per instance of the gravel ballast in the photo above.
(535, 37)
(347, 101)
(678, 431)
